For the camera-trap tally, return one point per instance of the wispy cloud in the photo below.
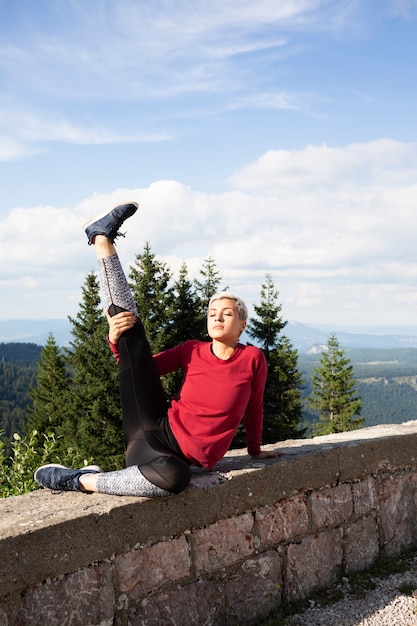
(32, 133)
(144, 53)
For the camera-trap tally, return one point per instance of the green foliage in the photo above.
(388, 400)
(15, 380)
(334, 395)
(51, 392)
(266, 327)
(184, 323)
(28, 453)
(19, 353)
(92, 422)
(204, 289)
(282, 398)
(152, 291)
(184, 311)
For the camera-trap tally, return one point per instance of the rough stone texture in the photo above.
(362, 544)
(327, 506)
(365, 498)
(3, 618)
(85, 597)
(315, 562)
(198, 603)
(283, 520)
(222, 543)
(147, 569)
(398, 515)
(254, 590)
(331, 506)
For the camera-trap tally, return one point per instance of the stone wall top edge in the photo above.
(71, 530)
(304, 464)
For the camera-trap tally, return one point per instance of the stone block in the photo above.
(147, 569)
(313, 563)
(364, 495)
(362, 544)
(84, 597)
(332, 506)
(193, 605)
(281, 521)
(224, 543)
(254, 590)
(397, 512)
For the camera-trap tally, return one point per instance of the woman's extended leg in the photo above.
(144, 404)
(153, 469)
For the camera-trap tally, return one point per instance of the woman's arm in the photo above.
(254, 414)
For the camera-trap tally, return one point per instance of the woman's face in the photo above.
(223, 323)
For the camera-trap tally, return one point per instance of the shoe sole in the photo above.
(103, 214)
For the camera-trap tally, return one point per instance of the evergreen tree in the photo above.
(282, 398)
(150, 284)
(184, 310)
(94, 426)
(184, 322)
(50, 393)
(206, 288)
(283, 394)
(268, 325)
(334, 396)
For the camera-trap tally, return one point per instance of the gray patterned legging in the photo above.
(149, 440)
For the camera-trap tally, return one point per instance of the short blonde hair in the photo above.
(227, 295)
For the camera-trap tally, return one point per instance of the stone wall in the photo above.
(229, 550)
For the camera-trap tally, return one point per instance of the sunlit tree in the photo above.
(334, 395)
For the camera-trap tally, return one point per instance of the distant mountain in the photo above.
(304, 337)
(35, 331)
(309, 338)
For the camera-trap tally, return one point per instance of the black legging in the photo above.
(144, 410)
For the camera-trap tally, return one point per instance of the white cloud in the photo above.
(338, 242)
(351, 166)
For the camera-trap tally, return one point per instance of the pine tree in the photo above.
(50, 392)
(184, 323)
(283, 394)
(206, 288)
(282, 397)
(184, 310)
(150, 285)
(269, 323)
(334, 396)
(94, 427)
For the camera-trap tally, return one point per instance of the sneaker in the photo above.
(108, 223)
(60, 478)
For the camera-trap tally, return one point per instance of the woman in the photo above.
(223, 383)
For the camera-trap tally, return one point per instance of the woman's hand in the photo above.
(120, 323)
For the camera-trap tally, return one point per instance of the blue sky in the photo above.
(276, 137)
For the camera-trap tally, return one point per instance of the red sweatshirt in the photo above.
(214, 398)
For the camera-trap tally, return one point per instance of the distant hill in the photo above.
(304, 337)
(35, 331)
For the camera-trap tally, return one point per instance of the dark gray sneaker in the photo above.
(60, 478)
(108, 223)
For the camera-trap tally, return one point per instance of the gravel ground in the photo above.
(385, 605)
